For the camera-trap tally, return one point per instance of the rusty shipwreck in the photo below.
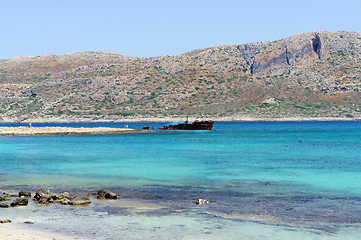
(196, 125)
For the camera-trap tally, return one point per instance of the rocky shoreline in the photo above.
(10, 230)
(29, 228)
(44, 196)
(34, 131)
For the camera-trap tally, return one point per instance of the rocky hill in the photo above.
(308, 75)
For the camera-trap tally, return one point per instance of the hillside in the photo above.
(308, 75)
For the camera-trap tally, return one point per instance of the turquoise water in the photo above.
(286, 174)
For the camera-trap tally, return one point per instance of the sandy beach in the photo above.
(15, 231)
(33, 131)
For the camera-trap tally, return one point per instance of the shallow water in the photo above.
(279, 180)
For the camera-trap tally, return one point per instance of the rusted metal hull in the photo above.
(197, 125)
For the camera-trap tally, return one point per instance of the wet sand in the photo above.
(11, 231)
(34, 131)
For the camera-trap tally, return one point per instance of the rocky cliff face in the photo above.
(312, 75)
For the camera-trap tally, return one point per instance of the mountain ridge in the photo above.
(307, 75)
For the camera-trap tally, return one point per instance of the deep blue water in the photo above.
(305, 173)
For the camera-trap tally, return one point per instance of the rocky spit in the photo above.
(33, 131)
(43, 196)
(46, 197)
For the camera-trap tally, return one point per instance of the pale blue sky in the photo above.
(159, 27)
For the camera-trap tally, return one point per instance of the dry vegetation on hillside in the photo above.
(312, 75)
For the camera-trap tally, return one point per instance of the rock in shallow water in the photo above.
(4, 205)
(20, 202)
(45, 196)
(5, 197)
(63, 198)
(23, 193)
(104, 194)
(202, 201)
(5, 221)
(79, 201)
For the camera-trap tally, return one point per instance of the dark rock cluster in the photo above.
(45, 197)
(104, 194)
(23, 193)
(22, 201)
(4, 205)
(5, 221)
(5, 197)
(42, 196)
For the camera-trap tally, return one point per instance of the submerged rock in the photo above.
(20, 202)
(79, 201)
(104, 194)
(5, 197)
(45, 196)
(23, 193)
(5, 221)
(63, 198)
(2, 199)
(202, 201)
(4, 205)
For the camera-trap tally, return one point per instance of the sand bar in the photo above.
(33, 131)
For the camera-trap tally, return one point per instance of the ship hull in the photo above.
(197, 125)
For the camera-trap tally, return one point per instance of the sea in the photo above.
(263, 180)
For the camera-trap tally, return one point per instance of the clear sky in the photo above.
(147, 28)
